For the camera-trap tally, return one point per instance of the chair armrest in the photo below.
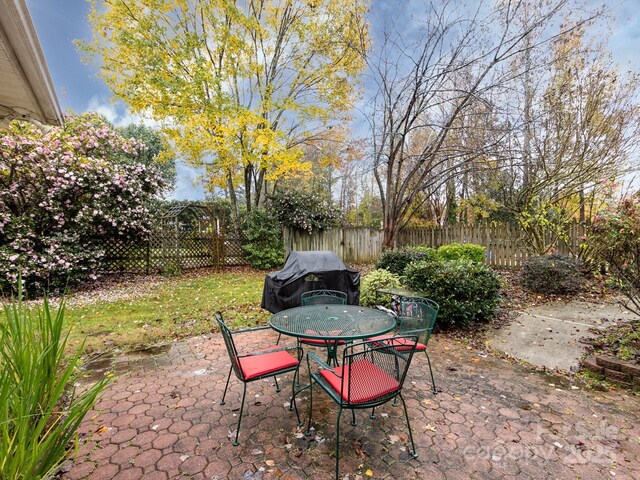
(252, 329)
(321, 363)
(274, 350)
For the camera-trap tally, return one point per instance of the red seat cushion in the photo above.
(368, 382)
(260, 365)
(399, 343)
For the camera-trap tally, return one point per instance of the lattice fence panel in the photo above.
(168, 250)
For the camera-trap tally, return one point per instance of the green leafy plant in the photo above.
(466, 291)
(552, 274)
(395, 261)
(265, 247)
(465, 251)
(614, 239)
(375, 281)
(303, 211)
(39, 409)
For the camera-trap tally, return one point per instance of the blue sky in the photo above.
(60, 22)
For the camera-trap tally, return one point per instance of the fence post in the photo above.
(148, 256)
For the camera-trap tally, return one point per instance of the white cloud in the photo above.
(187, 187)
(118, 114)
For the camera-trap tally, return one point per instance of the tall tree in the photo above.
(425, 84)
(240, 86)
(583, 129)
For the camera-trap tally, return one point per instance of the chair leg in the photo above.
(244, 394)
(433, 382)
(353, 417)
(226, 386)
(373, 413)
(308, 432)
(338, 442)
(277, 386)
(413, 452)
(278, 341)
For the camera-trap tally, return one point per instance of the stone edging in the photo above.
(613, 369)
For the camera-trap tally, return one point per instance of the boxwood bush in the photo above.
(466, 291)
(552, 274)
(465, 251)
(375, 281)
(395, 261)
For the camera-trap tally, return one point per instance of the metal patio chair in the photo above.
(418, 317)
(372, 373)
(322, 297)
(257, 365)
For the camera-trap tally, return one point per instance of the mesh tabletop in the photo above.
(335, 322)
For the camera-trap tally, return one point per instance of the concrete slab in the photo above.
(549, 335)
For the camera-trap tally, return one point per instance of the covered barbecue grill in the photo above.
(305, 271)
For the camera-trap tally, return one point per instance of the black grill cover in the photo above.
(304, 271)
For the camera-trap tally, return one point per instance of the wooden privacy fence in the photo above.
(502, 242)
(166, 251)
(351, 244)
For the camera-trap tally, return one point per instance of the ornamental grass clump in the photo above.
(40, 410)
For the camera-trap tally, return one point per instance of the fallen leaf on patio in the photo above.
(102, 430)
(426, 401)
(393, 439)
(255, 451)
(299, 435)
(384, 415)
(369, 473)
(430, 427)
(469, 348)
(183, 457)
(297, 452)
(557, 444)
(270, 463)
(475, 360)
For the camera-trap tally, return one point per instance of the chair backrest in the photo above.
(375, 374)
(323, 297)
(231, 346)
(418, 317)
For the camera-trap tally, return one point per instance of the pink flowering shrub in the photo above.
(614, 237)
(62, 194)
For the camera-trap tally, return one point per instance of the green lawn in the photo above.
(173, 309)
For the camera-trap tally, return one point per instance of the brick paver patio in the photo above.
(494, 420)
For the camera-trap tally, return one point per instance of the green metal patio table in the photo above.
(332, 323)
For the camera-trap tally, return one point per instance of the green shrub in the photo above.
(552, 274)
(265, 246)
(395, 261)
(614, 240)
(461, 251)
(39, 411)
(307, 212)
(466, 291)
(375, 281)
